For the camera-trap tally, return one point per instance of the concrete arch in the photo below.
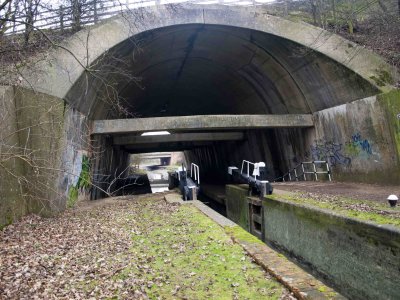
(64, 68)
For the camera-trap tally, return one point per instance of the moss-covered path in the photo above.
(128, 249)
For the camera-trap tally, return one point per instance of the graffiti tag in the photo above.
(330, 152)
(362, 144)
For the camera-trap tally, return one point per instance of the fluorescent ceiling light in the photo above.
(155, 133)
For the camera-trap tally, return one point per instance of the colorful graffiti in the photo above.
(339, 154)
(331, 152)
(357, 145)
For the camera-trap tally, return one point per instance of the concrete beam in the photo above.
(156, 155)
(173, 147)
(179, 137)
(210, 122)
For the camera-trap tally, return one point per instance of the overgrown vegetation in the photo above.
(84, 182)
(374, 24)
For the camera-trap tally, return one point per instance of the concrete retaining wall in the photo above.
(358, 139)
(42, 145)
(12, 205)
(360, 259)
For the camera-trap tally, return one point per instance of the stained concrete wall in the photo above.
(360, 259)
(41, 138)
(237, 208)
(40, 120)
(359, 139)
(76, 157)
(12, 204)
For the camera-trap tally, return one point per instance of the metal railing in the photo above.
(65, 17)
(300, 172)
(248, 163)
(196, 169)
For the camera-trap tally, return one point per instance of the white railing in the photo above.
(300, 172)
(196, 170)
(179, 170)
(248, 163)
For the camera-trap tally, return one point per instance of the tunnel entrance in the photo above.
(224, 93)
(227, 87)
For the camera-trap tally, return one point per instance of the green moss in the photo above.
(322, 289)
(345, 206)
(188, 250)
(391, 102)
(377, 81)
(351, 149)
(385, 76)
(242, 235)
(9, 220)
(84, 177)
(72, 196)
(83, 182)
(332, 294)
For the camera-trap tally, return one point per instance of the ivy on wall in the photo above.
(83, 182)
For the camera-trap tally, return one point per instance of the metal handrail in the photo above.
(303, 173)
(248, 168)
(196, 169)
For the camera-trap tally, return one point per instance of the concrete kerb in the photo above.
(300, 283)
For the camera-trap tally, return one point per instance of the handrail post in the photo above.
(304, 174)
(315, 172)
(61, 18)
(328, 171)
(95, 16)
